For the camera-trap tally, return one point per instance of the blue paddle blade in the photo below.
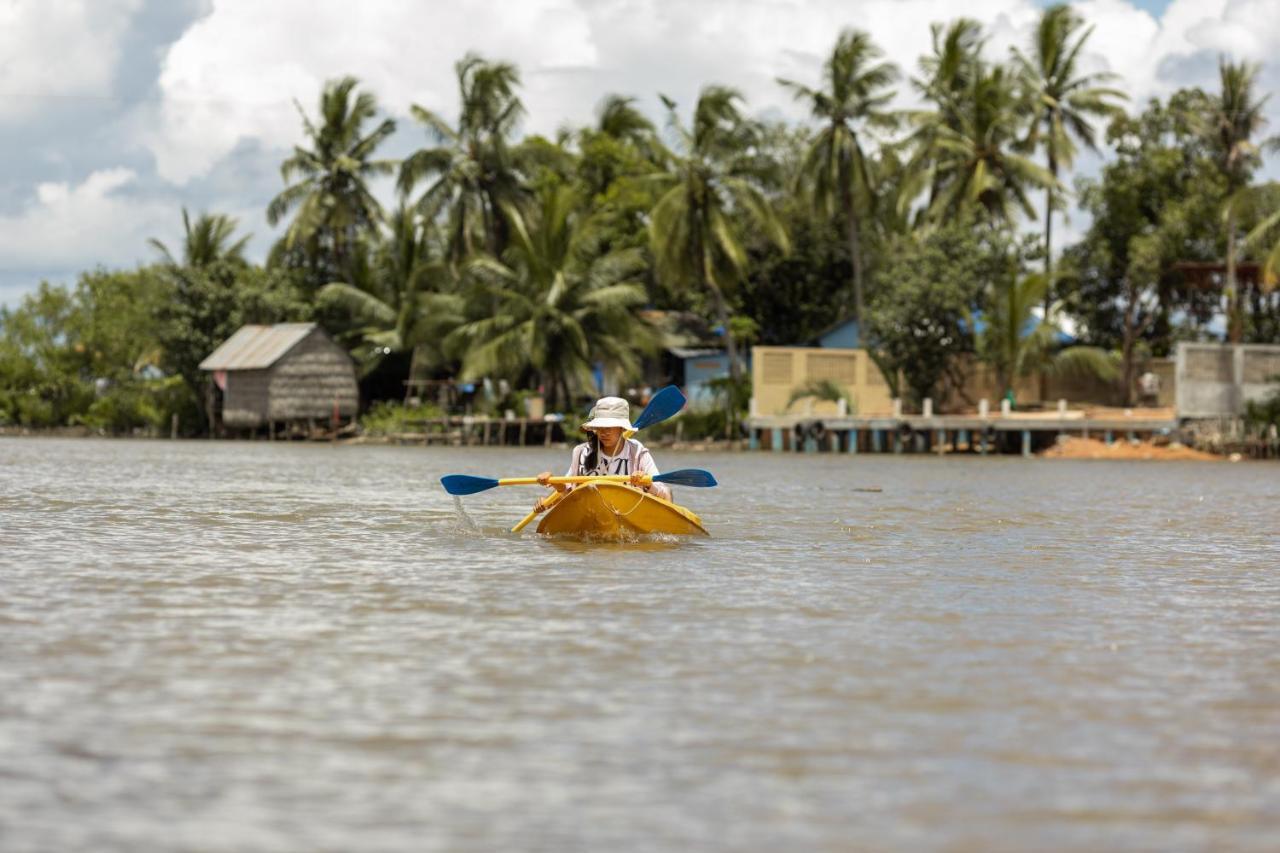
(662, 405)
(695, 477)
(461, 484)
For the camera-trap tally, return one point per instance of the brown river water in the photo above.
(223, 646)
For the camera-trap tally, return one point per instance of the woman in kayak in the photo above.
(608, 450)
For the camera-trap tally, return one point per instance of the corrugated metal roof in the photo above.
(694, 352)
(256, 347)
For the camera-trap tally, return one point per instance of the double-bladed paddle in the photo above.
(463, 484)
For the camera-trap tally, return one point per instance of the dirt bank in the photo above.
(1074, 447)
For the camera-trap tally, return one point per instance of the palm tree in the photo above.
(715, 177)
(399, 302)
(560, 307)
(332, 197)
(971, 146)
(206, 242)
(854, 99)
(949, 71)
(1233, 119)
(1262, 204)
(1064, 101)
(946, 75)
(622, 143)
(619, 118)
(1016, 345)
(471, 169)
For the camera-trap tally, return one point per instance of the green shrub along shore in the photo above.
(539, 260)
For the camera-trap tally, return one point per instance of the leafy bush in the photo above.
(388, 417)
(1261, 414)
(141, 404)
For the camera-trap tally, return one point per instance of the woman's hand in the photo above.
(545, 479)
(640, 480)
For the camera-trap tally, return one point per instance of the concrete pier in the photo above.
(973, 433)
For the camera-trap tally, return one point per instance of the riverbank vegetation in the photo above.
(539, 262)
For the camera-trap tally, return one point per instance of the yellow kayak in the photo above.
(601, 509)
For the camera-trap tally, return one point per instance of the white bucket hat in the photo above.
(610, 412)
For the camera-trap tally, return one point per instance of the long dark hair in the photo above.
(593, 455)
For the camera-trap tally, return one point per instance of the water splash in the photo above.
(465, 522)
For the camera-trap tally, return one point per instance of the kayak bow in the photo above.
(604, 509)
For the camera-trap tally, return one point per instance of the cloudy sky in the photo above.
(116, 113)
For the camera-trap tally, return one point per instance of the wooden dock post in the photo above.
(942, 441)
(1026, 443)
(775, 439)
(1109, 438)
(753, 439)
(853, 441)
(877, 441)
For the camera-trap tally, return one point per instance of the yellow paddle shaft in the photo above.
(566, 481)
(547, 504)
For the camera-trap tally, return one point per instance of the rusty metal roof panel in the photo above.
(256, 347)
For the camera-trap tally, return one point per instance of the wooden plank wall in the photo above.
(244, 403)
(307, 380)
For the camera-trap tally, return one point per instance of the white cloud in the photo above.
(80, 226)
(58, 48)
(232, 75)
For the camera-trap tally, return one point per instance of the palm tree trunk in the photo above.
(1235, 318)
(1129, 341)
(855, 256)
(731, 346)
(1048, 249)
(1048, 255)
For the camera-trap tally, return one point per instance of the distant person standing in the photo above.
(1149, 389)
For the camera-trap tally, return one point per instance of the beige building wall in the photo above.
(777, 371)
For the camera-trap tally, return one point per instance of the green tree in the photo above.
(1231, 122)
(43, 379)
(1016, 344)
(854, 99)
(471, 172)
(927, 291)
(78, 355)
(711, 191)
(1154, 205)
(1064, 102)
(559, 306)
(1261, 209)
(400, 302)
(333, 202)
(210, 239)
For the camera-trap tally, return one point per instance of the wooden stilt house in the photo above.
(286, 373)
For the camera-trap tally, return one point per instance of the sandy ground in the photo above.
(1074, 447)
